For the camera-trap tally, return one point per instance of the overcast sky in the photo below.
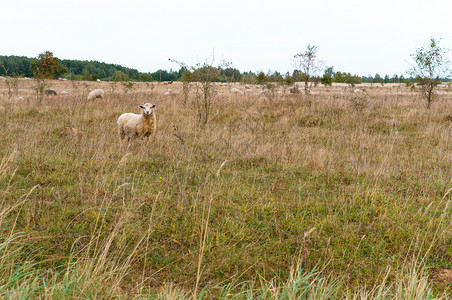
(361, 37)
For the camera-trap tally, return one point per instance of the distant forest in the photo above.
(93, 70)
(77, 69)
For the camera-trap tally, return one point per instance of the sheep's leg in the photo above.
(129, 138)
(121, 132)
(122, 135)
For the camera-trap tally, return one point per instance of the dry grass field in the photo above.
(280, 196)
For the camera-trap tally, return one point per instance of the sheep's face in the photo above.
(147, 109)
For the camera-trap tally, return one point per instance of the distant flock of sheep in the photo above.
(130, 125)
(97, 93)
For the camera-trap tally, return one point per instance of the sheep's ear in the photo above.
(154, 105)
(141, 106)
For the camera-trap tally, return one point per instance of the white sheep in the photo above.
(98, 93)
(132, 125)
(236, 91)
(64, 93)
(169, 92)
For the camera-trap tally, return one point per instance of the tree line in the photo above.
(66, 68)
(93, 70)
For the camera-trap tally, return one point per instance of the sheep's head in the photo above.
(147, 109)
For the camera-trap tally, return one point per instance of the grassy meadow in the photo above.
(330, 195)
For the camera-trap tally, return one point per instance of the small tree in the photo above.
(204, 75)
(127, 86)
(47, 66)
(93, 77)
(352, 80)
(327, 79)
(308, 65)
(378, 79)
(429, 66)
(261, 78)
(186, 79)
(11, 81)
(125, 81)
(249, 78)
(269, 91)
(120, 76)
(41, 84)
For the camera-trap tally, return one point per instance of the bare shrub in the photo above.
(358, 102)
(127, 86)
(186, 79)
(40, 86)
(204, 74)
(270, 91)
(12, 83)
(308, 65)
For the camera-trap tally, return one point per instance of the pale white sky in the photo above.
(362, 37)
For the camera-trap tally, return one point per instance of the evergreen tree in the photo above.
(327, 79)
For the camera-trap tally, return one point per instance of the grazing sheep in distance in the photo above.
(97, 93)
(50, 92)
(64, 93)
(169, 92)
(236, 91)
(132, 125)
